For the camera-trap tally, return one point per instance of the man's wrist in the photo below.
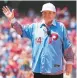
(13, 20)
(69, 62)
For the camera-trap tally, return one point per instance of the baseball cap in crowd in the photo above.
(49, 7)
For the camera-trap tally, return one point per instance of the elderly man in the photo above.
(49, 43)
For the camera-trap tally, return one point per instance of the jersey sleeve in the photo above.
(27, 31)
(66, 41)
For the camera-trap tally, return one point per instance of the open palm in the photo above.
(9, 14)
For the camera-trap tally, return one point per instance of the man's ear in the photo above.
(42, 15)
(54, 14)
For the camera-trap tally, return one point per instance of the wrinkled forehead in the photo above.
(47, 11)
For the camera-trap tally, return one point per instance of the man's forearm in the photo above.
(69, 55)
(16, 26)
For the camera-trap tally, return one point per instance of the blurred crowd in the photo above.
(15, 53)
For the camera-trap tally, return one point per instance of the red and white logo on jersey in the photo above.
(53, 36)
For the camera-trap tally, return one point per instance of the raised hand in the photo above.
(9, 14)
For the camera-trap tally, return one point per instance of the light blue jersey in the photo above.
(47, 50)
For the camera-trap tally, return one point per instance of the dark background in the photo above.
(23, 6)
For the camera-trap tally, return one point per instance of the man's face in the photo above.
(48, 16)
